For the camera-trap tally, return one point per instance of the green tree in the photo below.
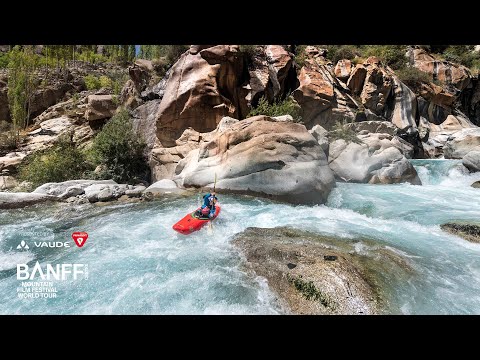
(120, 150)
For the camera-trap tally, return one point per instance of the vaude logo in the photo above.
(23, 246)
(40, 244)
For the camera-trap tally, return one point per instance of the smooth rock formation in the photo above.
(261, 156)
(65, 188)
(16, 200)
(476, 185)
(378, 159)
(104, 192)
(100, 107)
(321, 135)
(462, 142)
(472, 160)
(164, 186)
(204, 86)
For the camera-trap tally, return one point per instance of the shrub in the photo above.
(92, 82)
(59, 163)
(249, 51)
(278, 108)
(4, 59)
(339, 52)
(462, 54)
(105, 82)
(120, 150)
(341, 131)
(391, 55)
(412, 76)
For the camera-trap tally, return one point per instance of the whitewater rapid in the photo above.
(139, 265)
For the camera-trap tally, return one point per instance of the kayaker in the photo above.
(209, 201)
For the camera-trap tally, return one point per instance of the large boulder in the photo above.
(376, 159)
(100, 107)
(261, 156)
(377, 86)
(205, 85)
(437, 135)
(18, 199)
(104, 192)
(164, 186)
(472, 160)
(343, 69)
(141, 72)
(462, 142)
(322, 98)
(271, 73)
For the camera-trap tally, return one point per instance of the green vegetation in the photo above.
(339, 52)
(21, 66)
(168, 53)
(92, 82)
(282, 107)
(120, 150)
(342, 131)
(114, 82)
(412, 75)
(310, 292)
(61, 162)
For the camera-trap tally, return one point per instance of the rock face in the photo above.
(377, 158)
(343, 69)
(262, 156)
(271, 74)
(315, 274)
(445, 71)
(462, 142)
(4, 109)
(469, 232)
(472, 160)
(100, 107)
(18, 200)
(323, 99)
(205, 85)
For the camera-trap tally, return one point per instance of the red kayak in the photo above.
(191, 222)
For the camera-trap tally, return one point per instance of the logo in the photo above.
(52, 272)
(23, 246)
(80, 238)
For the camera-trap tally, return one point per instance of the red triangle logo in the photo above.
(80, 238)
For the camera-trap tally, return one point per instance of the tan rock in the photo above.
(261, 156)
(445, 71)
(343, 69)
(100, 107)
(203, 88)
